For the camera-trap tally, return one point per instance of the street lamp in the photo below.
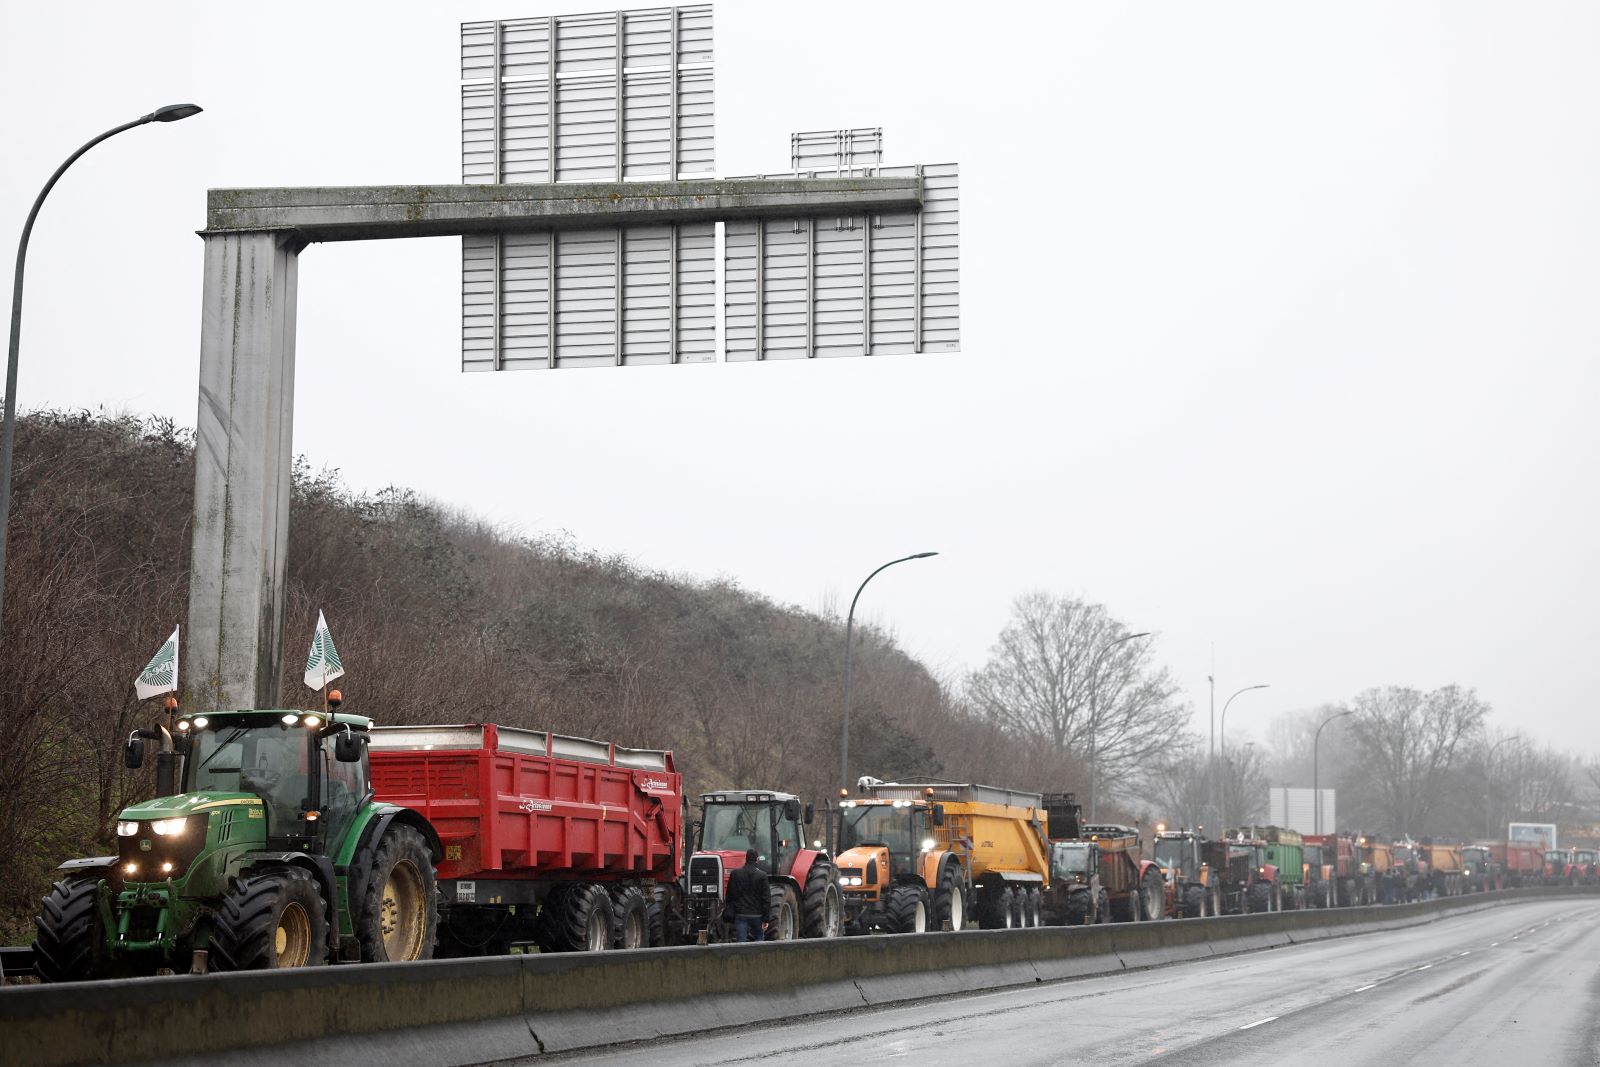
(1316, 790)
(1488, 815)
(1222, 747)
(170, 113)
(1094, 718)
(849, 627)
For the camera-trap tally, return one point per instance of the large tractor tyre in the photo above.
(399, 916)
(906, 911)
(271, 920)
(69, 944)
(822, 905)
(1080, 908)
(950, 902)
(655, 921)
(785, 914)
(1258, 898)
(575, 917)
(1194, 902)
(1102, 910)
(1154, 890)
(630, 918)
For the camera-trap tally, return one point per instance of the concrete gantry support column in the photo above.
(243, 465)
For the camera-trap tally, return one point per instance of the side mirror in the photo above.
(938, 815)
(347, 747)
(133, 755)
(811, 813)
(791, 810)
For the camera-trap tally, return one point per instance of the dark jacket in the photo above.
(750, 892)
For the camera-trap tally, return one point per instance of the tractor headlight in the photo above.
(169, 827)
(125, 828)
(928, 843)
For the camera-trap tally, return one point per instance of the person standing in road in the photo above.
(750, 900)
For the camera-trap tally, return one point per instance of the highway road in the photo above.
(1516, 986)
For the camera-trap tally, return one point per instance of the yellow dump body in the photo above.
(1445, 859)
(993, 830)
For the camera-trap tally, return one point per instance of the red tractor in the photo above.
(806, 901)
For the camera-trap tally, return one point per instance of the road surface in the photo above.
(1515, 986)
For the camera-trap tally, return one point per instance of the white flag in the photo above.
(323, 665)
(160, 675)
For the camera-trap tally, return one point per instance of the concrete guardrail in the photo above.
(446, 1013)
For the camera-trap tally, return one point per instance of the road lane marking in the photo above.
(1493, 944)
(1364, 988)
(1425, 966)
(1259, 1022)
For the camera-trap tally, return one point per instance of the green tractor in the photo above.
(272, 854)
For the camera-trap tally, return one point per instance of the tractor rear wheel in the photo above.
(1258, 899)
(399, 917)
(950, 903)
(70, 942)
(1080, 908)
(575, 917)
(785, 914)
(274, 919)
(821, 906)
(906, 911)
(630, 919)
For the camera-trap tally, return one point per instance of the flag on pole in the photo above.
(323, 665)
(160, 675)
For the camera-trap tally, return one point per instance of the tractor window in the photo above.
(269, 761)
(737, 827)
(878, 824)
(344, 787)
(1175, 853)
(1069, 862)
(788, 841)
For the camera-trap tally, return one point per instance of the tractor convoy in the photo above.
(286, 838)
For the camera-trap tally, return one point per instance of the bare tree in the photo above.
(1057, 676)
(1409, 742)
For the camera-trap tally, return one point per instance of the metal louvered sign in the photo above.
(620, 96)
(861, 286)
(626, 96)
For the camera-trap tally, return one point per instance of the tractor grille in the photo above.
(150, 857)
(705, 876)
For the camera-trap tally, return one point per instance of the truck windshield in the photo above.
(1175, 853)
(738, 828)
(880, 824)
(1404, 855)
(1555, 857)
(269, 761)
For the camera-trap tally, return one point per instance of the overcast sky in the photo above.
(1280, 324)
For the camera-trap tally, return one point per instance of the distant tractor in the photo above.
(1479, 872)
(1075, 896)
(1194, 889)
(1134, 888)
(269, 851)
(806, 901)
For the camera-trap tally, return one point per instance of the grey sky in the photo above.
(1279, 322)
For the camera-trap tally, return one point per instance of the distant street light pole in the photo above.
(1316, 785)
(1488, 815)
(170, 113)
(849, 628)
(1222, 750)
(1094, 719)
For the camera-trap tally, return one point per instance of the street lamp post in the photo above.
(1222, 749)
(1316, 785)
(1094, 719)
(1488, 815)
(170, 113)
(849, 628)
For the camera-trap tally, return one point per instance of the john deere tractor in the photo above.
(271, 854)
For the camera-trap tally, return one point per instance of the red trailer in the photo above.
(568, 843)
(1522, 862)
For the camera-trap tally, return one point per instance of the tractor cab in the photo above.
(1074, 862)
(882, 840)
(737, 821)
(804, 885)
(1475, 862)
(1178, 853)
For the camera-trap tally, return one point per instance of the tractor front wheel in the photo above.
(70, 943)
(270, 920)
(399, 919)
(785, 924)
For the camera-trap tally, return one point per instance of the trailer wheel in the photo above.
(822, 907)
(575, 917)
(1153, 888)
(630, 919)
(275, 919)
(399, 917)
(655, 921)
(1035, 908)
(70, 942)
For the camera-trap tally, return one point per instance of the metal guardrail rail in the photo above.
(451, 1013)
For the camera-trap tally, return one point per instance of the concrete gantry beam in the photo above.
(244, 456)
(364, 213)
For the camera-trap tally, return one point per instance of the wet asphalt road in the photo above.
(1517, 986)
